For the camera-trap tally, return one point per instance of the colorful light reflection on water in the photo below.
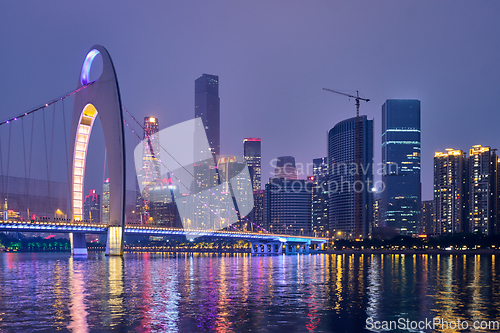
(166, 292)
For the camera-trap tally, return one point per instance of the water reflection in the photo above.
(77, 307)
(158, 292)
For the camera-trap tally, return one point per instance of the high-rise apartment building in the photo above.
(320, 197)
(252, 155)
(207, 107)
(401, 198)
(483, 190)
(92, 207)
(450, 192)
(344, 202)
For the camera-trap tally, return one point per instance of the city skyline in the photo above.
(271, 69)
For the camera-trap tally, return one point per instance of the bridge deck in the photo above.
(95, 228)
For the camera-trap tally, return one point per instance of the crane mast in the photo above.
(358, 204)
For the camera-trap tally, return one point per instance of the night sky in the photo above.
(273, 58)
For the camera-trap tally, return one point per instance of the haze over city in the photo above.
(272, 59)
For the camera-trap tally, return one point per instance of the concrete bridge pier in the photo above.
(267, 248)
(297, 248)
(114, 244)
(78, 244)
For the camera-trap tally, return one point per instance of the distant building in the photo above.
(428, 225)
(401, 198)
(258, 212)
(320, 197)
(252, 154)
(377, 216)
(207, 107)
(342, 168)
(450, 192)
(92, 207)
(285, 168)
(288, 206)
(33, 198)
(163, 209)
(483, 190)
(150, 171)
(105, 202)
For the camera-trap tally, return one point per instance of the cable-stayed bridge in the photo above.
(91, 99)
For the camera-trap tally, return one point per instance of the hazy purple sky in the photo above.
(273, 58)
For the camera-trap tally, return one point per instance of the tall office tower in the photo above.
(342, 184)
(251, 152)
(288, 206)
(92, 207)
(428, 225)
(285, 168)
(320, 197)
(401, 198)
(151, 152)
(150, 171)
(207, 107)
(105, 202)
(450, 191)
(483, 190)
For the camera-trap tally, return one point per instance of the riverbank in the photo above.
(426, 251)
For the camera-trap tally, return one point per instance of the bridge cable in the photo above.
(52, 144)
(8, 166)
(30, 160)
(25, 170)
(67, 161)
(45, 146)
(1, 172)
(9, 120)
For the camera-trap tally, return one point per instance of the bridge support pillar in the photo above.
(78, 244)
(114, 245)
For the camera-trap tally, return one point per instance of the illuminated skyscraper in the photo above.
(207, 107)
(342, 185)
(450, 192)
(483, 190)
(92, 207)
(401, 198)
(320, 197)
(251, 152)
(151, 152)
(105, 202)
(150, 171)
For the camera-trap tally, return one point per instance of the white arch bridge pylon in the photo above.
(102, 99)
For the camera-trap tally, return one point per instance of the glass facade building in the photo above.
(251, 152)
(342, 169)
(401, 198)
(207, 107)
(320, 197)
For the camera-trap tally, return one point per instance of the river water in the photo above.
(178, 292)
